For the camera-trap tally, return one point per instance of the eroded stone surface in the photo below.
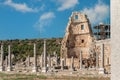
(78, 37)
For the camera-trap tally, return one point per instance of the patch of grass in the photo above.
(4, 76)
(37, 76)
(42, 77)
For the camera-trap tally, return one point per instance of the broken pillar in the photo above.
(9, 68)
(56, 59)
(62, 64)
(41, 60)
(72, 64)
(44, 69)
(28, 60)
(64, 61)
(80, 60)
(6, 61)
(35, 60)
(101, 68)
(97, 58)
(49, 58)
(2, 55)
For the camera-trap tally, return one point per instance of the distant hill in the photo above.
(22, 48)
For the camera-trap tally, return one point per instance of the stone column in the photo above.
(80, 60)
(65, 61)
(41, 60)
(49, 61)
(6, 61)
(97, 60)
(44, 69)
(101, 69)
(62, 64)
(2, 55)
(35, 60)
(72, 63)
(56, 59)
(9, 68)
(28, 60)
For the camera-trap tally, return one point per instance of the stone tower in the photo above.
(78, 37)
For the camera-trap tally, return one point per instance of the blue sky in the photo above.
(26, 19)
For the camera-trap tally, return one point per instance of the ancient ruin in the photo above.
(80, 43)
(78, 38)
(80, 52)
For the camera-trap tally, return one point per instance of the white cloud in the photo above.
(19, 7)
(67, 4)
(98, 13)
(44, 20)
(46, 16)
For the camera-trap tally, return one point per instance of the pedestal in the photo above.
(1, 68)
(34, 69)
(9, 69)
(44, 69)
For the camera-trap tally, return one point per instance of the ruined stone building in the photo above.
(78, 36)
(78, 39)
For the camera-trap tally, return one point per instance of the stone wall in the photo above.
(78, 37)
(106, 53)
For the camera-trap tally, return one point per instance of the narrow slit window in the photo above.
(82, 27)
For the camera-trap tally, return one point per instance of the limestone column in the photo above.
(72, 63)
(49, 61)
(9, 68)
(56, 59)
(2, 55)
(97, 60)
(62, 64)
(28, 60)
(80, 60)
(41, 60)
(44, 69)
(65, 61)
(6, 61)
(35, 60)
(101, 69)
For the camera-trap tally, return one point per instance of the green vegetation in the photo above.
(22, 48)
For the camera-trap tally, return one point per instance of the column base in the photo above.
(1, 68)
(44, 69)
(101, 70)
(80, 68)
(34, 69)
(71, 69)
(9, 69)
(62, 68)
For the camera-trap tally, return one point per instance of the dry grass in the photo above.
(4, 76)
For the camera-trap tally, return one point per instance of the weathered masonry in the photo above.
(78, 37)
(80, 44)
